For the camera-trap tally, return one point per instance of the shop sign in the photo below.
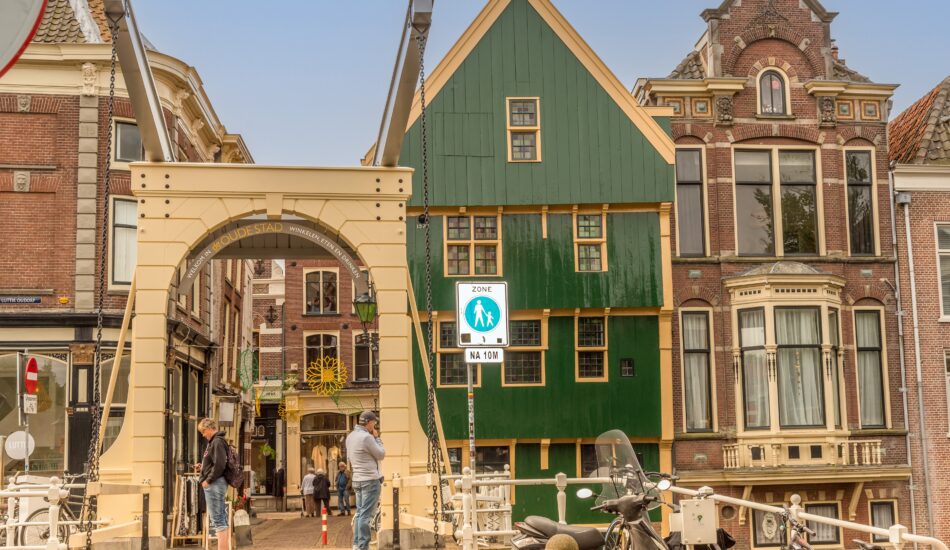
(20, 300)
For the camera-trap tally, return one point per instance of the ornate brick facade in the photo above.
(766, 80)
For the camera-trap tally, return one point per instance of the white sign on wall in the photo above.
(484, 355)
(482, 313)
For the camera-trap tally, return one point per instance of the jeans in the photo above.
(367, 501)
(342, 500)
(217, 509)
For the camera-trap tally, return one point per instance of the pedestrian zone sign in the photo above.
(482, 313)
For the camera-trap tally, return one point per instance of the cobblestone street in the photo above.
(289, 531)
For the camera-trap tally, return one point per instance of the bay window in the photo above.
(755, 375)
(800, 385)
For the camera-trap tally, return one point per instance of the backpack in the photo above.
(233, 472)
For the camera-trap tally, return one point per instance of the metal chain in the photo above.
(435, 456)
(92, 462)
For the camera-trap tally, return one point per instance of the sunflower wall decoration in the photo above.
(326, 376)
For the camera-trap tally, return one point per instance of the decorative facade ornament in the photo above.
(90, 77)
(21, 182)
(83, 354)
(23, 103)
(181, 96)
(724, 110)
(826, 106)
(326, 376)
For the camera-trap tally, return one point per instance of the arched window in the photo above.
(772, 93)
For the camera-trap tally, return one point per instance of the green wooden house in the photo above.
(545, 173)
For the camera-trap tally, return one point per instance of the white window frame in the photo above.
(704, 182)
(118, 164)
(308, 334)
(885, 384)
(944, 315)
(776, 189)
(946, 362)
(837, 504)
(787, 91)
(874, 206)
(713, 400)
(307, 271)
(113, 284)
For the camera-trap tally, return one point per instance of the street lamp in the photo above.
(365, 306)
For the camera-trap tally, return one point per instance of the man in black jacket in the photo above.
(213, 481)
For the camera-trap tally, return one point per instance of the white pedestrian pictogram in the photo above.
(480, 314)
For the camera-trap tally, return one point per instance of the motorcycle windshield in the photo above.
(617, 461)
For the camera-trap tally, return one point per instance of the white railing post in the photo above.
(55, 496)
(896, 536)
(561, 483)
(468, 509)
(12, 517)
(796, 507)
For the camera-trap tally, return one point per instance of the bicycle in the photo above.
(799, 530)
(38, 535)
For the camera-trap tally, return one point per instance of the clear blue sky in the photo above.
(304, 81)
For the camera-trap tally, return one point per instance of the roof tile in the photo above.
(59, 25)
(921, 134)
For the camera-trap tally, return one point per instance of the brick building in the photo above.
(786, 374)
(54, 151)
(920, 164)
(304, 317)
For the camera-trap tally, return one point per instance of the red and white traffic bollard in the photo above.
(323, 513)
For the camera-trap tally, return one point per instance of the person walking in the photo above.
(364, 448)
(342, 496)
(321, 492)
(213, 482)
(306, 490)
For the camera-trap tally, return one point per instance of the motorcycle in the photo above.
(629, 494)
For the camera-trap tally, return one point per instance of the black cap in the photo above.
(367, 416)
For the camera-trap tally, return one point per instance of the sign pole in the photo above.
(469, 367)
(26, 433)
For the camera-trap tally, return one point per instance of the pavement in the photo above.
(289, 531)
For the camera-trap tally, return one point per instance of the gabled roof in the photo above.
(61, 24)
(650, 129)
(814, 5)
(921, 134)
(691, 67)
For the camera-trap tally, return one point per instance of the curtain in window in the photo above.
(870, 382)
(799, 367)
(882, 515)
(124, 241)
(824, 534)
(754, 369)
(696, 371)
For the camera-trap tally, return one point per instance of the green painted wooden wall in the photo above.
(591, 152)
(540, 272)
(562, 458)
(562, 407)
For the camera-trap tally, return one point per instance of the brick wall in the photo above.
(926, 209)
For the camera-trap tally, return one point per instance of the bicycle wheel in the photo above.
(617, 537)
(38, 535)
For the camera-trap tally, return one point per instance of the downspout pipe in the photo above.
(903, 199)
(900, 347)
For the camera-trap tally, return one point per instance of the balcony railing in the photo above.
(859, 452)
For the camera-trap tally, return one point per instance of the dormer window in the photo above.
(772, 94)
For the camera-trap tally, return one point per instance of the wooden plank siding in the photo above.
(591, 151)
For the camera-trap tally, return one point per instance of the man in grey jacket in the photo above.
(364, 449)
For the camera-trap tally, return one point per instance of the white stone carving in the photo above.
(21, 182)
(23, 103)
(90, 78)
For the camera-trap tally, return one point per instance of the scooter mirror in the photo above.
(584, 493)
(664, 484)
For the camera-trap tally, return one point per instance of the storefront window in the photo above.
(48, 424)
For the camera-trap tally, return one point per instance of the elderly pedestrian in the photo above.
(364, 448)
(213, 482)
(306, 490)
(321, 492)
(342, 490)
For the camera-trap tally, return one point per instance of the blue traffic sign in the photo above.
(482, 314)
